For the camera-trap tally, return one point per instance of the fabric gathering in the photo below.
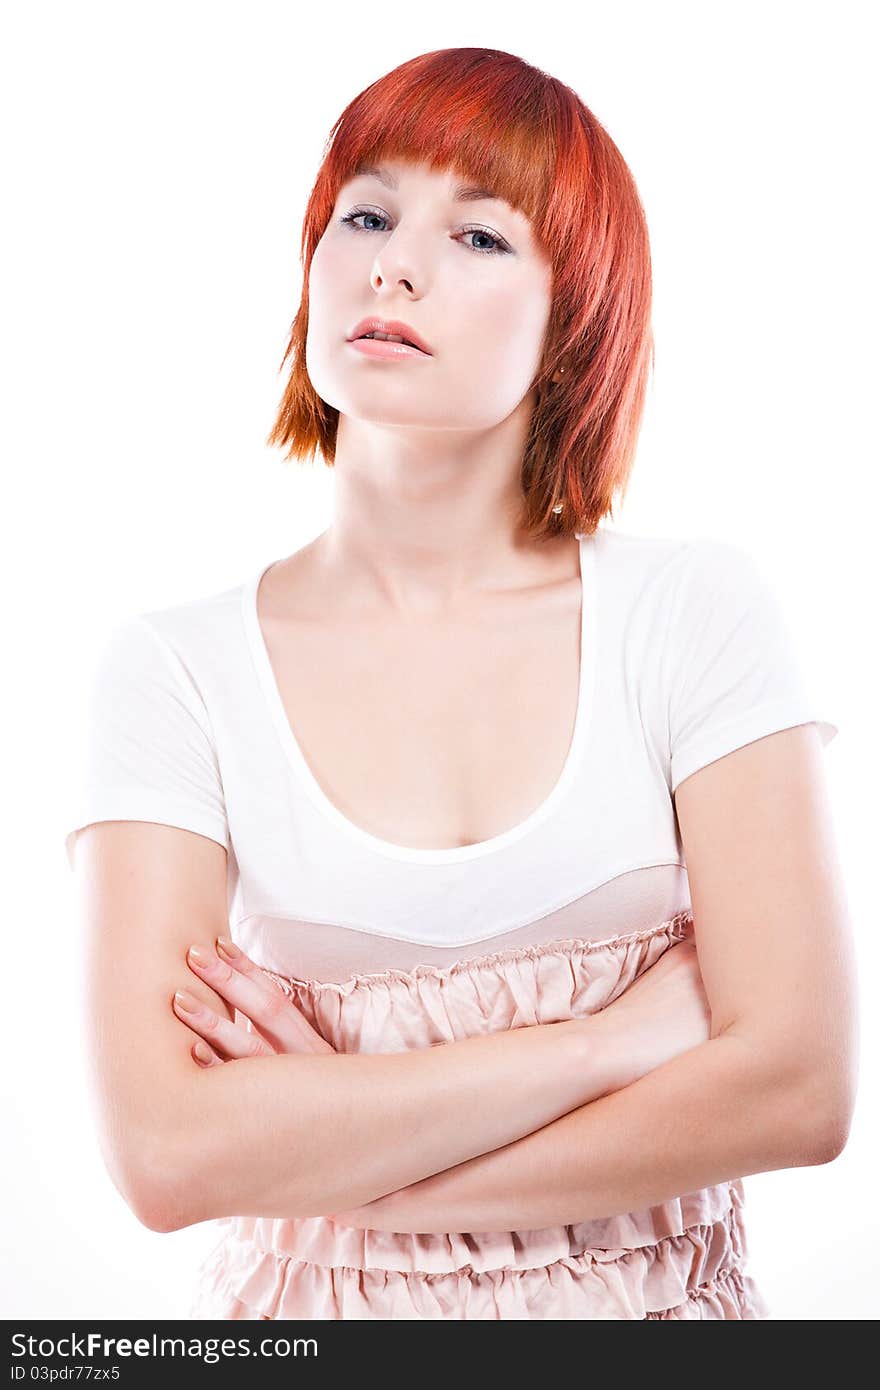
(686, 655)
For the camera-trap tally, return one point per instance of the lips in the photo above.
(394, 326)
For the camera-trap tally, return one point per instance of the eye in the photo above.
(500, 246)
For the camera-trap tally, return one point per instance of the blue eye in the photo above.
(500, 246)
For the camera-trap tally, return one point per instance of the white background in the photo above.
(158, 158)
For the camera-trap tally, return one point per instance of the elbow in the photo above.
(828, 1118)
(816, 1097)
(158, 1212)
(158, 1194)
(833, 1139)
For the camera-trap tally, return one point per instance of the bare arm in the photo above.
(183, 1145)
(705, 1117)
(774, 1085)
(282, 1135)
(296, 1135)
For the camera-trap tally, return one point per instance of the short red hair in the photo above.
(489, 116)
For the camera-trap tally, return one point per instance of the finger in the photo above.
(231, 1039)
(205, 1055)
(269, 1009)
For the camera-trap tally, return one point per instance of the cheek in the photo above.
(324, 276)
(335, 276)
(332, 301)
(511, 333)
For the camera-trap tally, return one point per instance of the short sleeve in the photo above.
(735, 675)
(147, 749)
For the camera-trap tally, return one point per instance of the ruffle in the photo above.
(682, 1258)
(395, 1010)
(696, 1273)
(677, 927)
(731, 1296)
(319, 1240)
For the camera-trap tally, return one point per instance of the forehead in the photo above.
(390, 173)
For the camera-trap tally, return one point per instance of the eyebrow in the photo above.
(462, 193)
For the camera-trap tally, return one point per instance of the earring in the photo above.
(557, 509)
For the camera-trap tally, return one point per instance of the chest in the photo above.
(434, 734)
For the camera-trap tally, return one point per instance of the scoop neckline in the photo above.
(450, 854)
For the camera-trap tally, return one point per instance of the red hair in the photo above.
(489, 116)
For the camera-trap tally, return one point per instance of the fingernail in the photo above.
(200, 956)
(226, 947)
(186, 1001)
(203, 1052)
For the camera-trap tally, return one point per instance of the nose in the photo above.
(395, 265)
(378, 282)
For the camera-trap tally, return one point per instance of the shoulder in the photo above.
(632, 562)
(179, 650)
(643, 579)
(680, 577)
(193, 624)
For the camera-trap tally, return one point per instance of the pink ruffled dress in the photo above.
(685, 656)
(685, 1258)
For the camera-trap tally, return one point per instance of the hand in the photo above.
(234, 976)
(663, 1013)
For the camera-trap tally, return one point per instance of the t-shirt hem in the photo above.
(156, 813)
(757, 723)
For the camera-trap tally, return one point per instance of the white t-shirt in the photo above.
(685, 656)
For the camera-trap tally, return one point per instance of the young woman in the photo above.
(512, 823)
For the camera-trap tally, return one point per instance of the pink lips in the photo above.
(396, 327)
(377, 347)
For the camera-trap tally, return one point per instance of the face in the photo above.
(467, 275)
